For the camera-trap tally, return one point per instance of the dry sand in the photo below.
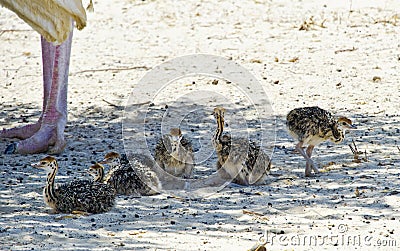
(346, 59)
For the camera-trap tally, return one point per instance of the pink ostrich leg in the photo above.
(26, 131)
(48, 133)
(54, 20)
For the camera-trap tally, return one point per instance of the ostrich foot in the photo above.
(309, 167)
(22, 132)
(47, 139)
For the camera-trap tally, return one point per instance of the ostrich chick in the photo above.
(240, 159)
(313, 125)
(124, 178)
(79, 195)
(174, 154)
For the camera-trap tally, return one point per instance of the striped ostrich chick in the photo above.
(125, 179)
(312, 126)
(79, 195)
(174, 154)
(239, 159)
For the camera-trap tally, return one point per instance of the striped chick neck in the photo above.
(50, 165)
(219, 113)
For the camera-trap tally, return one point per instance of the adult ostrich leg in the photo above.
(53, 19)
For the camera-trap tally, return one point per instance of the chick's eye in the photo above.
(343, 123)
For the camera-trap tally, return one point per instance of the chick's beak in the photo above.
(104, 161)
(352, 127)
(35, 165)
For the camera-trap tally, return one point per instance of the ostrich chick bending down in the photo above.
(174, 154)
(239, 159)
(79, 195)
(53, 19)
(312, 126)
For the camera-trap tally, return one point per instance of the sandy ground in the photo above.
(345, 59)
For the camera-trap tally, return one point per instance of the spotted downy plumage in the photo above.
(313, 125)
(127, 180)
(79, 195)
(174, 154)
(239, 159)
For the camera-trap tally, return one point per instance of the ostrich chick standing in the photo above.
(53, 19)
(312, 126)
